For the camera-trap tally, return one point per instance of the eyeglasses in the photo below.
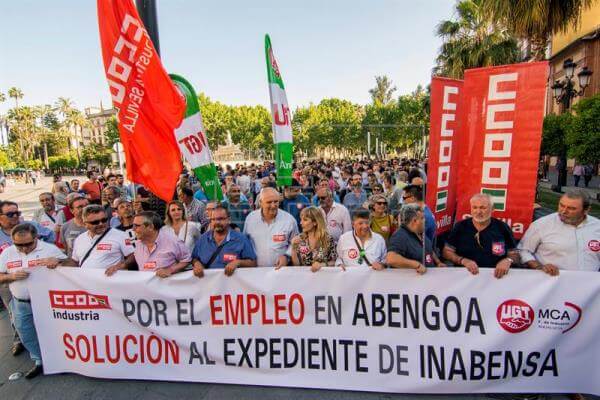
(12, 214)
(137, 225)
(406, 197)
(219, 219)
(323, 198)
(97, 221)
(381, 203)
(21, 245)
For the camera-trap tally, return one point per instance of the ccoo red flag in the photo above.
(149, 106)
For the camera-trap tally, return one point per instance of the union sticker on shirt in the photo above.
(229, 257)
(46, 223)
(34, 263)
(299, 205)
(352, 253)
(4, 246)
(150, 266)
(104, 246)
(594, 245)
(128, 242)
(428, 259)
(498, 248)
(304, 249)
(279, 238)
(14, 264)
(332, 223)
(384, 229)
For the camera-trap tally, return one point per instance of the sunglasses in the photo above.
(21, 245)
(381, 203)
(323, 198)
(12, 214)
(406, 197)
(97, 221)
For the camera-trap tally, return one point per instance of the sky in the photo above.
(324, 48)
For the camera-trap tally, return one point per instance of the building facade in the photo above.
(96, 131)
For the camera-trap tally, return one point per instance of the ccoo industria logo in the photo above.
(77, 305)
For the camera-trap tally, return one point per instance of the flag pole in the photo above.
(147, 11)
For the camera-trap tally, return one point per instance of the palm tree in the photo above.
(64, 105)
(23, 125)
(16, 94)
(537, 20)
(78, 121)
(472, 40)
(383, 90)
(2, 97)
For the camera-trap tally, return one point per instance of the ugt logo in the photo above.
(194, 143)
(515, 315)
(281, 117)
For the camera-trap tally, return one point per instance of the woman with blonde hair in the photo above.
(177, 224)
(314, 246)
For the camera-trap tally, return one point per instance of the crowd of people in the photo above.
(334, 214)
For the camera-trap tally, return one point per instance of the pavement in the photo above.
(593, 189)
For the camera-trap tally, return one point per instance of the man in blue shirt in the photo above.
(414, 194)
(238, 207)
(294, 201)
(356, 198)
(222, 247)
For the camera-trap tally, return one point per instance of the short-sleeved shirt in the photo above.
(495, 241)
(408, 245)
(270, 240)
(12, 260)
(44, 234)
(550, 241)
(68, 233)
(349, 254)
(167, 250)
(352, 201)
(92, 189)
(237, 247)
(307, 255)
(295, 206)
(44, 219)
(111, 250)
(430, 225)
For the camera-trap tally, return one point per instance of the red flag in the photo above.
(444, 130)
(150, 107)
(502, 114)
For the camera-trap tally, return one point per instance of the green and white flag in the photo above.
(441, 201)
(498, 198)
(192, 141)
(282, 121)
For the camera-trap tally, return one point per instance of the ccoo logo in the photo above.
(514, 315)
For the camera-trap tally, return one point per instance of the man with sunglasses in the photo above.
(100, 246)
(10, 216)
(482, 240)
(361, 246)
(15, 262)
(413, 194)
(156, 250)
(337, 216)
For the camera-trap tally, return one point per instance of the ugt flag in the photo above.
(149, 106)
(193, 144)
(282, 124)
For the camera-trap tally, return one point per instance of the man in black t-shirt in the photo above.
(409, 247)
(481, 241)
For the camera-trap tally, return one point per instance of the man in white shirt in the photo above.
(101, 246)
(46, 216)
(337, 216)
(26, 252)
(361, 246)
(568, 239)
(271, 230)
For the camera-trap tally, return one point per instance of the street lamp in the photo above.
(564, 91)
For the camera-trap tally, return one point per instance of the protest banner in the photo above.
(359, 329)
(501, 115)
(444, 129)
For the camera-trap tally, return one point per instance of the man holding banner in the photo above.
(481, 241)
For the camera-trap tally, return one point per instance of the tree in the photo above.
(383, 91)
(554, 132)
(583, 133)
(2, 97)
(473, 40)
(22, 122)
(15, 93)
(96, 152)
(537, 20)
(112, 131)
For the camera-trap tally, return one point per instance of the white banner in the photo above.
(388, 331)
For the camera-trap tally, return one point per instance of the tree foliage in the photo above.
(383, 91)
(583, 133)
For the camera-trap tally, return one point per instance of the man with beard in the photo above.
(568, 239)
(222, 247)
(125, 215)
(46, 216)
(294, 201)
(238, 208)
(481, 241)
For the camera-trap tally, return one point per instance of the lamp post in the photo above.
(564, 91)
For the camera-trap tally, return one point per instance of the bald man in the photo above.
(271, 230)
